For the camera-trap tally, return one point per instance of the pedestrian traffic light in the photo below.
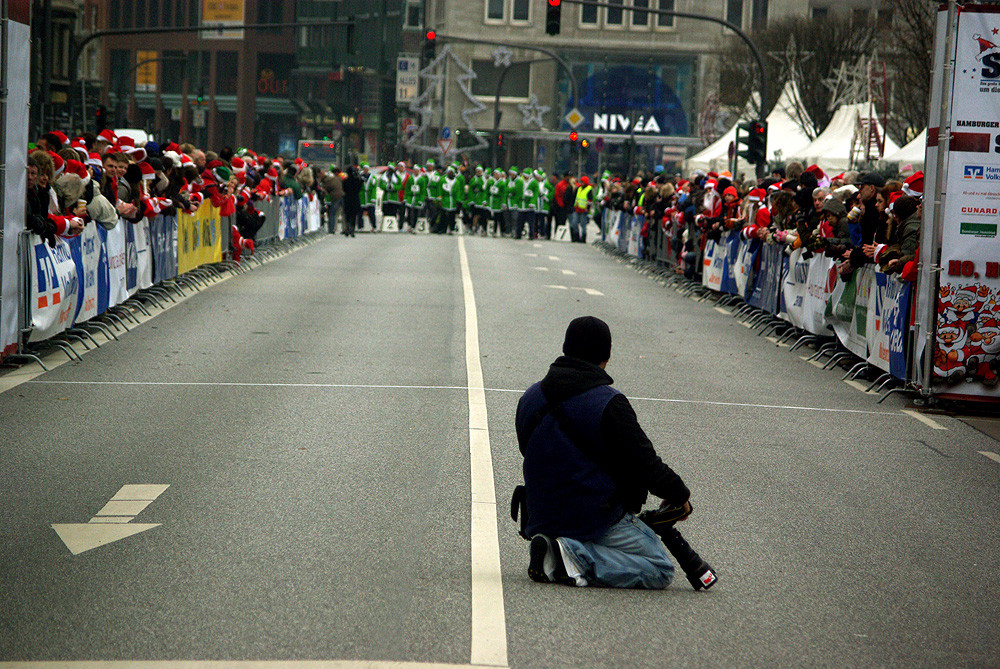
(553, 16)
(430, 44)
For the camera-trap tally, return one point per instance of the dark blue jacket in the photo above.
(580, 492)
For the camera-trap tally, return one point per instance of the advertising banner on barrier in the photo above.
(888, 314)
(848, 311)
(112, 290)
(163, 247)
(614, 227)
(714, 265)
(635, 226)
(54, 288)
(767, 283)
(143, 255)
(744, 268)
(795, 289)
(732, 251)
(198, 238)
(969, 297)
(86, 252)
(315, 216)
(820, 283)
(288, 214)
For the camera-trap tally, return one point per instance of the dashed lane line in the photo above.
(568, 272)
(926, 420)
(542, 269)
(228, 664)
(991, 455)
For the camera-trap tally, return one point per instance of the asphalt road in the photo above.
(311, 420)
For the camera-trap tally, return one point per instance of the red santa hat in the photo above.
(186, 160)
(77, 168)
(710, 184)
(127, 146)
(61, 136)
(108, 136)
(147, 171)
(172, 146)
(58, 164)
(81, 148)
(272, 173)
(914, 186)
(239, 165)
(94, 159)
(756, 195)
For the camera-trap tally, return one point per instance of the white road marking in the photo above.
(991, 455)
(556, 258)
(558, 287)
(489, 624)
(723, 311)
(531, 255)
(537, 246)
(113, 521)
(926, 420)
(542, 269)
(569, 272)
(591, 291)
(355, 386)
(857, 385)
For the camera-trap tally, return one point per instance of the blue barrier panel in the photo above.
(767, 279)
(732, 250)
(163, 239)
(887, 324)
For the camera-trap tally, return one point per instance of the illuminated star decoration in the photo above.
(433, 76)
(502, 56)
(790, 60)
(533, 113)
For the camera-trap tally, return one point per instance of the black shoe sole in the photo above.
(537, 551)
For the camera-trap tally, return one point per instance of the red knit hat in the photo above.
(914, 186)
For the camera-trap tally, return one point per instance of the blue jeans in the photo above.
(629, 555)
(578, 226)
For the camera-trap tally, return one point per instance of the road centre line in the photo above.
(353, 386)
(489, 623)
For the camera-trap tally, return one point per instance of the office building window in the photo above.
(759, 19)
(588, 15)
(665, 21)
(734, 12)
(640, 19)
(521, 11)
(615, 14)
(820, 13)
(494, 10)
(413, 17)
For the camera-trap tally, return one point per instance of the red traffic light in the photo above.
(554, 3)
(573, 136)
(431, 35)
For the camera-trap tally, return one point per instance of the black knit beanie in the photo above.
(588, 338)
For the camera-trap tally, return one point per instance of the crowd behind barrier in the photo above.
(869, 314)
(81, 277)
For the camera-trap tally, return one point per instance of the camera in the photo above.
(663, 521)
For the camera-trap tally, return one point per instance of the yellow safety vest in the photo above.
(581, 198)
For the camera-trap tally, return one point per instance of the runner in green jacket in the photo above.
(498, 200)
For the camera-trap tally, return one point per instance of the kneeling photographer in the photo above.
(588, 467)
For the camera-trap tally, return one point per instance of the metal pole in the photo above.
(930, 257)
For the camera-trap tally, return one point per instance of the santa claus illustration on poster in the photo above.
(968, 334)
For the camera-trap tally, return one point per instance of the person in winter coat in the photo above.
(352, 200)
(588, 468)
(333, 186)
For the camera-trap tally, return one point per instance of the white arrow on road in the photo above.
(112, 522)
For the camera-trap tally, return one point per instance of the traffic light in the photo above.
(201, 95)
(100, 118)
(553, 16)
(752, 144)
(585, 144)
(430, 44)
(500, 140)
(573, 136)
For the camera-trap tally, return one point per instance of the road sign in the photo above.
(446, 145)
(574, 117)
(446, 133)
(599, 144)
(407, 79)
(198, 117)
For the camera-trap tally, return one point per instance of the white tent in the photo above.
(715, 156)
(912, 154)
(832, 149)
(784, 132)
